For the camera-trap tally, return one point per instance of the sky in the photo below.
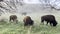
(55, 3)
(31, 1)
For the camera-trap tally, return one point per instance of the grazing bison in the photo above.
(13, 18)
(27, 21)
(49, 19)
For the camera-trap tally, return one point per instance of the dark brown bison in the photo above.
(49, 19)
(27, 21)
(13, 18)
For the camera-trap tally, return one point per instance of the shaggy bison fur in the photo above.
(49, 19)
(27, 21)
(13, 18)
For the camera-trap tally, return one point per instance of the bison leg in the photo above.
(42, 21)
(25, 24)
(14, 20)
(47, 23)
(50, 23)
(10, 19)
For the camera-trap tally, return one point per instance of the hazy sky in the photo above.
(55, 3)
(37, 1)
(31, 1)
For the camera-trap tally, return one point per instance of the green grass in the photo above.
(37, 28)
(13, 28)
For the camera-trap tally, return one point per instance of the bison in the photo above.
(49, 19)
(27, 21)
(13, 18)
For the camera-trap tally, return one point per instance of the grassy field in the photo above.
(37, 28)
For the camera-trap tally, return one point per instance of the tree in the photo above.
(1, 0)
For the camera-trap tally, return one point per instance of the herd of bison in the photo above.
(29, 22)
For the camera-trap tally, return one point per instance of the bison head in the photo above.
(55, 23)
